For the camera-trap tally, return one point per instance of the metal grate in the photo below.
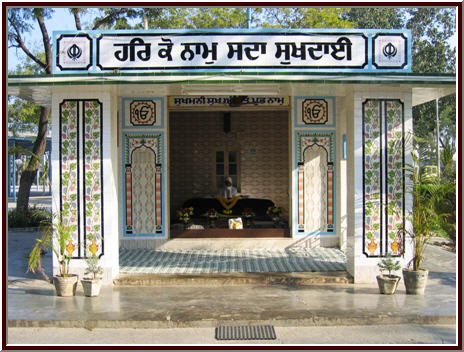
(249, 332)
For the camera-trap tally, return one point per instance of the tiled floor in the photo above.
(230, 260)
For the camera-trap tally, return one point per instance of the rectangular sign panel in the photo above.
(308, 50)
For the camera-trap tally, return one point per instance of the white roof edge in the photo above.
(102, 79)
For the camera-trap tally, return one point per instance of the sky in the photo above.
(61, 20)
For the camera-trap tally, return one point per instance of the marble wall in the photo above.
(261, 137)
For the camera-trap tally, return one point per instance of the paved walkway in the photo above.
(37, 199)
(145, 261)
(32, 303)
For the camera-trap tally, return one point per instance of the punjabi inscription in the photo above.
(151, 51)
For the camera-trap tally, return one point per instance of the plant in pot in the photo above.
(388, 283)
(184, 214)
(425, 222)
(92, 284)
(56, 235)
(275, 212)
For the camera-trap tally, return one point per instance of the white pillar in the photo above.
(110, 258)
(363, 268)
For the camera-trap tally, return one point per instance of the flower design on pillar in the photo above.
(372, 145)
(93, 171)
(69, 166)
(394, 172)
(93, 247)
(70, 248)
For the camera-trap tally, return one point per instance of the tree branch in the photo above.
(112, 15)
(46, 42)
(77, 19)
(22, 45)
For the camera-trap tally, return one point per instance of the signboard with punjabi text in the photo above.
(248, 51)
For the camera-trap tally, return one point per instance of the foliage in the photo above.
(32, 218)
(23, 116)
(218, 18)
(389, 264)
(427, 192)
(184, 213)
(173, 17)
(375, 17)
(56, 236)
(93, 267)
(431, 28)
(447, 205)
(303, 17)
(274, 211)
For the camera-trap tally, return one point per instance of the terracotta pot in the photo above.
(388, 284)
(65, 286)
(415, 281)
(91, 287)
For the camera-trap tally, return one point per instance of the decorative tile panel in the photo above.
(301, 221)
(142, 113)
(322, 139)
(383, 177)
(314, 111)
(93, 179)
(372, 154)
(394, 155)
(316, 181)
(81, 187)
(143, 183)
(315, 188)
(69, 170)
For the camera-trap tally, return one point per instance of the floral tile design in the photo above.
(143, 197)
(93, 174)
(372, 153)
(69, 152)
(81, 186)
(394, 175)
(383, 165)
(316, 181)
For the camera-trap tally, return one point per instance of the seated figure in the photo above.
(228, 190)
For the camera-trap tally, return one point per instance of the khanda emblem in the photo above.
(389, 51)
(142, 113)
(315, 111)
(74, 52)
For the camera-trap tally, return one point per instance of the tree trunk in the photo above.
(29, 174)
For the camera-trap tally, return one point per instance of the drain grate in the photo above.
(248, 332)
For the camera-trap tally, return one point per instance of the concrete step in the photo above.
(234, 279)
(243, 243)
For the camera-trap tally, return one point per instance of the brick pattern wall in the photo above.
(261, 137)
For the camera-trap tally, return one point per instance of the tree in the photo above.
(18, 20)
(372, 17)
(431, 30)
(40, 61)
(22, 116)
(302, 17)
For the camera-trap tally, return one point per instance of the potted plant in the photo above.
(388, 283)
(274, 212)
(92, 284)
(248, 215)
(212, 217)
(425, 222)
(56, 235)
(184, 214)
